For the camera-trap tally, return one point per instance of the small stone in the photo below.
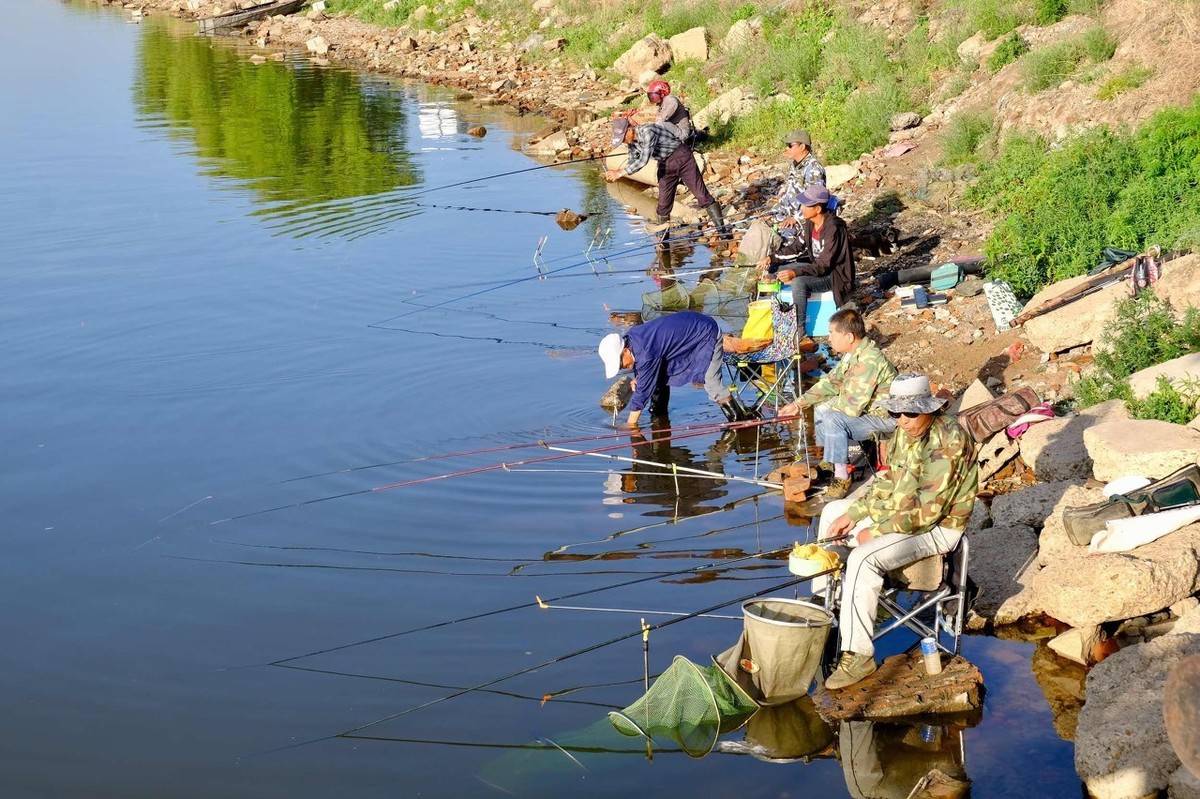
(478, 131)
(317, 45)
(905, 120)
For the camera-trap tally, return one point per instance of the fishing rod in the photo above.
(386, 198)
(497, 611)
(569, 655)
(671, 467)
(546, 606)
(705, 427)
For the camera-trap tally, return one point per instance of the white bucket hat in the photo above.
(610, 350)
(910, 393)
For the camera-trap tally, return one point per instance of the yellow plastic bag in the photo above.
(758, 321)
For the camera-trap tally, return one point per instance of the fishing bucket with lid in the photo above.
(780, 649)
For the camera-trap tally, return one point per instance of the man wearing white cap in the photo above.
(673, 350)
(918, 508)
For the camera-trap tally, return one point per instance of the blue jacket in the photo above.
(674, 349)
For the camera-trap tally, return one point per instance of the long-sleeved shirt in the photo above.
(651, 140)
(801, 175)
(675, 116)
(855, 382)
(930, 481)
(831, 256)
(675, 349)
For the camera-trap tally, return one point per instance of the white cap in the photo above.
(610, 352)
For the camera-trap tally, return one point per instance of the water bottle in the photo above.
(933, 659)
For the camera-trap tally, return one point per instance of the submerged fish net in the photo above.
(773, 662)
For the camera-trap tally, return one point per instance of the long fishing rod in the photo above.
(569, 655)
(386, 198)
(706, 427)
(670, 467)
(547, 606)
(497, 611)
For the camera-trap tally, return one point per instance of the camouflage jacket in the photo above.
(854, 383)
(800, 176)
(929, 481)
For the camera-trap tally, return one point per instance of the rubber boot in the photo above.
(661, 228)
(735, 411)
(718, 220)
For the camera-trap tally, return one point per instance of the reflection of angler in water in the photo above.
(887, 761)
(652, 485)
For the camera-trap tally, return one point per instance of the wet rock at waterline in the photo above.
(568, 219)
(618, 394)
(900, 688)
(479, 131)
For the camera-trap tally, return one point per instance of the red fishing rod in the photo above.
(710, 427)
(499, 466)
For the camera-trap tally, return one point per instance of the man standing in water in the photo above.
(676, 164)
(918, 508)
(673, 350)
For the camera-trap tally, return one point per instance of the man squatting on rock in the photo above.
(676, 164)
(674, 350)
(918, 508)
(844, 400)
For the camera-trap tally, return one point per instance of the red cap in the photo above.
(659, 87)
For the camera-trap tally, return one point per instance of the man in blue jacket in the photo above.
(674, 350)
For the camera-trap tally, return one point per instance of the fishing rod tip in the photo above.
(541, 603)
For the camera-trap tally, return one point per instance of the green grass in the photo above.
(1058, 208)
(1168, 402)
(1009, 50)
(1124, 81)
(963, 137)
(1051, 65)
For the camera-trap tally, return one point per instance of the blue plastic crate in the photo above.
(820, 308)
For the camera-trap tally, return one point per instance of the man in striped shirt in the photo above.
(677, 164)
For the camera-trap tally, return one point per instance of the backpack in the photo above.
(1179, 489)
(988, 418)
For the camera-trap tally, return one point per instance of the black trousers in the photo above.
(680, 167)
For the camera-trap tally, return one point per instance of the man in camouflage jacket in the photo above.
(844, 399)
(917, 509)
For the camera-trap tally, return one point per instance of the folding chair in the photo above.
(934, 588)
(770, 374)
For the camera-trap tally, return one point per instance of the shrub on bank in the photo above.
(1144, 332)
(1059, 207)
(963, 136)
(1053, 64)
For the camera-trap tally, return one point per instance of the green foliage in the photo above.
(993, 17)
(1054, 63)
(1009, 50)
(1060, 207)
(1167, 403)
(1122, 82)
(963, 136)
(1144, 332)
(1047, 12)
(744, 11)
(290, 136)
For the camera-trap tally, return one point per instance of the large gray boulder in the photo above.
(1121, 745)
(1144, 447)
(691, 45)
(729, 105)
(651, 53)
(1084, 589)
(743, 34)
(1054, 449)
(1053, 543)
(1180, 285)
(1029, 506)
(1183, 785)
(1077, 323)
(999, 556)
(1178, 371)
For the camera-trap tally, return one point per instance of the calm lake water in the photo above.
(215, 275)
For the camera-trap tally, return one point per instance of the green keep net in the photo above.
(689, 704)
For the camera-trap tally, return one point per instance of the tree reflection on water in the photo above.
(295, 135)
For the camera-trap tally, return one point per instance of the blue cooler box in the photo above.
(820, 308)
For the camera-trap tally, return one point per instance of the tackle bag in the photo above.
(1177, 490)
(945, 277)
(988, 418)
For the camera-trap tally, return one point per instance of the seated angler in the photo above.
(918, 508)
(674, 350)
(775, 239)
(831, 261)
(676, 164)
(844, 400)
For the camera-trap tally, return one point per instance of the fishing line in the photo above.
(421, 684)
(709, 427)
(582, 217)
(521, 606)
(568, 656)
(386, 198)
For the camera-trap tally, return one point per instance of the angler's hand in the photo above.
(611, 174)
(841, 525)
(786, 275)
(789, 223)
(864, 536)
